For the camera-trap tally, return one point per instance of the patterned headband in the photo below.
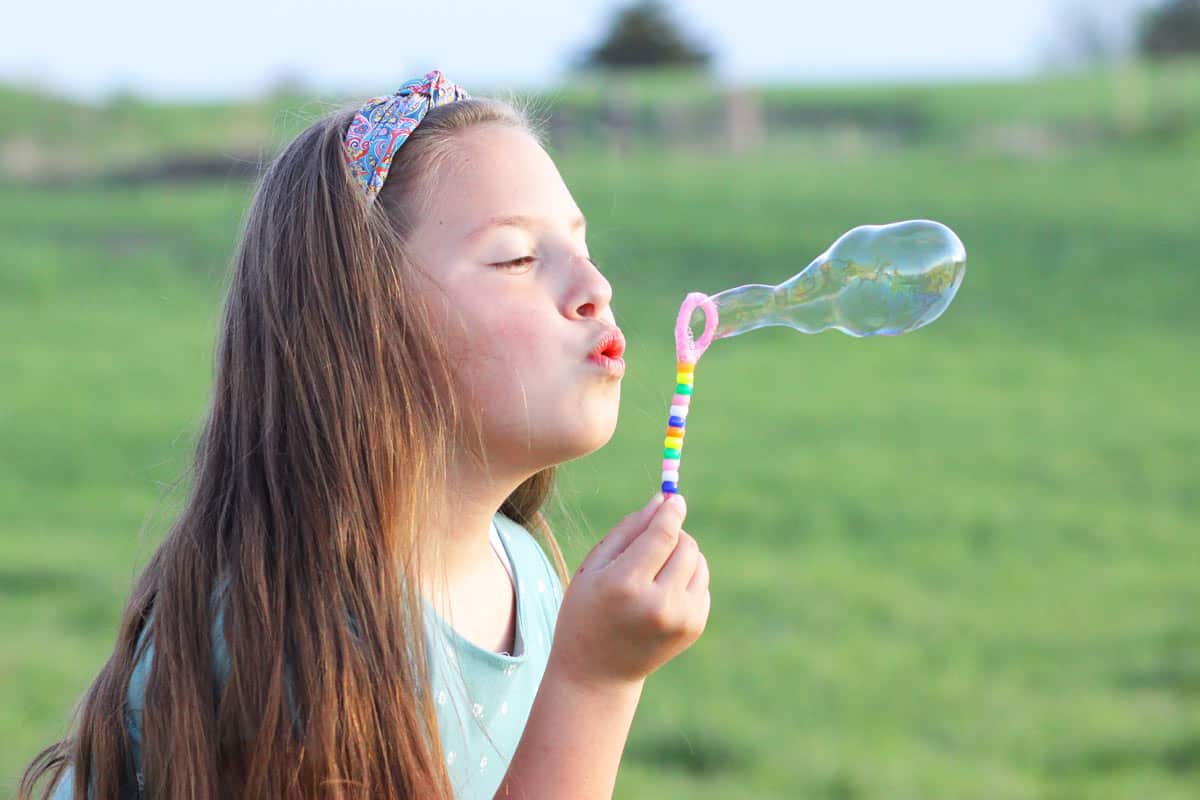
(384, 123)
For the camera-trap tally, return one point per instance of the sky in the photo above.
(217, 49)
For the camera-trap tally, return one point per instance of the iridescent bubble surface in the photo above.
(875, 280)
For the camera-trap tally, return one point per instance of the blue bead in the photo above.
(670, 487)
(675, 422)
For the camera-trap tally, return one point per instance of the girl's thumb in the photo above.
(620, 536)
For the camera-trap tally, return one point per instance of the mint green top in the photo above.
(483, 698)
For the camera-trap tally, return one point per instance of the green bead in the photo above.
(682, 388)
(670, 452)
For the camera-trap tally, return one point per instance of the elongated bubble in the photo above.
(874, 280)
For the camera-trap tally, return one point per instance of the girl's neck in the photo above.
(463, 526)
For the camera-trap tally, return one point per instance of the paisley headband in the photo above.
(384, 123)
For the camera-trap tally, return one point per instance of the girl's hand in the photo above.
(639, 599)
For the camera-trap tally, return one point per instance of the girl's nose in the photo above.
(590, 293)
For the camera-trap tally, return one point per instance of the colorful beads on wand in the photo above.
(673, 444)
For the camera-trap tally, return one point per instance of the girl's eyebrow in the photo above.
(520, 221)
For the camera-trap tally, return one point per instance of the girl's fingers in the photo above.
(613, 544)
(699, 581)
(650, 549)
(681, 565)
(701, 598)
(701, 618)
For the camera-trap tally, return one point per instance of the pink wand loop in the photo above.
(687, 353)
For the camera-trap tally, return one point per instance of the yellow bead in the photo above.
(673, 442)
(686, 378)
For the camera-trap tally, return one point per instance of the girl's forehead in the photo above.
(525, 221)
(497, 173)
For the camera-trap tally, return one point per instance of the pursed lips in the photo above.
(610, 345)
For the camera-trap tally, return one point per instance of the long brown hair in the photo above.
(332, 414)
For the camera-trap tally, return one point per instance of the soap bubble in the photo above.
(875, 280)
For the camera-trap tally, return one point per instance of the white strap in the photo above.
(494, 535)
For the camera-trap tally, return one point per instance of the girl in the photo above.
(351, 603)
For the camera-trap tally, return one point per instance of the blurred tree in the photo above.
(1169, 29)
(1086, 34)
(644, 35)
(1086, 41)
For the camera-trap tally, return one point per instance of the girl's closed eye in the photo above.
(515, 263)
(527, 261)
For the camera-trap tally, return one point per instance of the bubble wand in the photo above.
(875, 280)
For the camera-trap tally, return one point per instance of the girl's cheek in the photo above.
(519, 335)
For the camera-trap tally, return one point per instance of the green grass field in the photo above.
(962, 563)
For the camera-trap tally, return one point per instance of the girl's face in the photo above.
(522, 306)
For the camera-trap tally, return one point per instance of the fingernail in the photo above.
(658, 497)
(678, 500)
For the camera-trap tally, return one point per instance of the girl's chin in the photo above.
(562, 435)
(585, 447)
(580, 441)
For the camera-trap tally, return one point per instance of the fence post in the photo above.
(744, 124)
(618, 118)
